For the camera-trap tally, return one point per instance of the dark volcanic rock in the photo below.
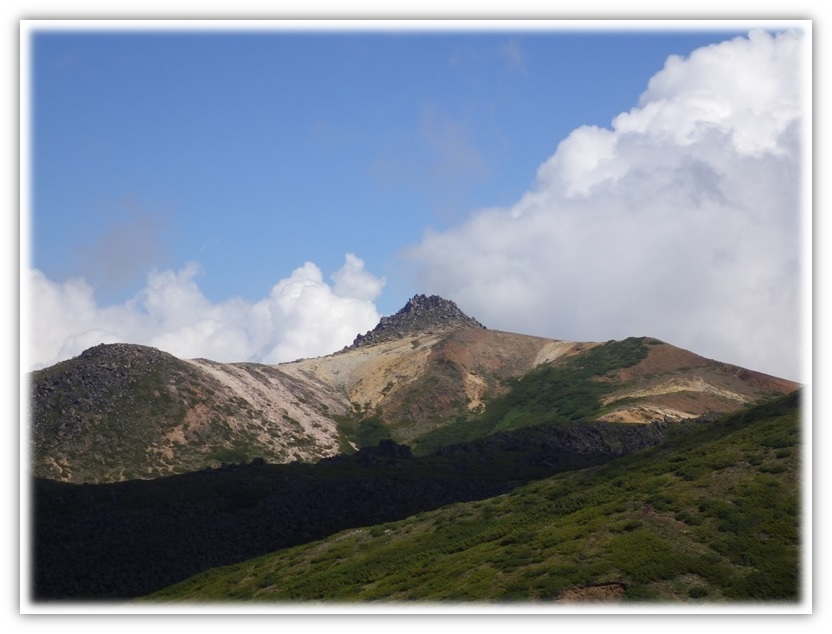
(111, 404)
(422, 313)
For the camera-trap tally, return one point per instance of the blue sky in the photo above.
(252, 153)
(226, 160)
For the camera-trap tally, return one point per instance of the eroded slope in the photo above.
(675, 384)
(428, 379)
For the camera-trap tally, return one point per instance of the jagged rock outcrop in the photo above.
(422, 313)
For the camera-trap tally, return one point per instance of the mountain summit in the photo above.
(421, 313)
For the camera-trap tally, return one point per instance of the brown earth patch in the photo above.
(597, 593)
(696, 403)
(662, 358)
(497, 353)
(640, 414)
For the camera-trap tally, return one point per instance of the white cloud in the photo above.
(681, 221)
(303, 316)
(352, 280)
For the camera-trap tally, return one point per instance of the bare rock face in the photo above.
(422, 313)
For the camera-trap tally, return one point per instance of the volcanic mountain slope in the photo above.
(427, 379)
(119, 412)
(427, 376)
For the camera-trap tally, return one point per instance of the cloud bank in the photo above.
(303, 316)
(681, 221)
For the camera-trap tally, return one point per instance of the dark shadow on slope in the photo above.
(123, 540)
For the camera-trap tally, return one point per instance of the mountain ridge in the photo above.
(123, 411)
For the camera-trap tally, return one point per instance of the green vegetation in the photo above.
(229, 456)
(363, 431)
(711, 514)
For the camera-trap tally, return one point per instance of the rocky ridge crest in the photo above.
(422, 313)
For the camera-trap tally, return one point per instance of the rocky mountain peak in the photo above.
(421, 313)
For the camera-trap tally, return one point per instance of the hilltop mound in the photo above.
(124, 411)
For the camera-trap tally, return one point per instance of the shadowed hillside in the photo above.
(710, 515)
(114, 541)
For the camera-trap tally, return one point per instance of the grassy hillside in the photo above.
(712, 514)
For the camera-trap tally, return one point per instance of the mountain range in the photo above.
(149, 469)
(422, 377)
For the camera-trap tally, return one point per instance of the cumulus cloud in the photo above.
(352, 280)
(680, 221)
(303, 316)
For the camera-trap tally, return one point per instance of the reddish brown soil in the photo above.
(494, 352)
(601, 593)
(662, 358)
